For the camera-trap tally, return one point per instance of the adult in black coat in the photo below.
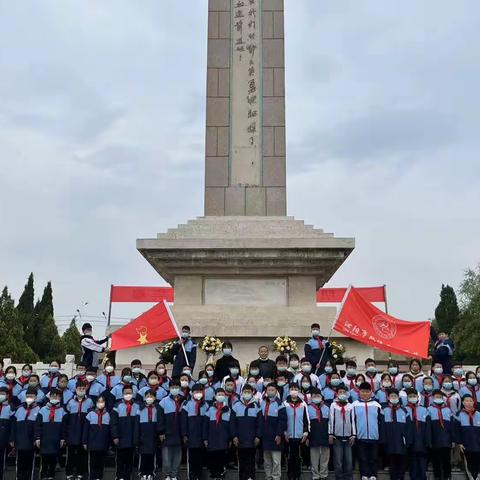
(226, 362)
(266, 367)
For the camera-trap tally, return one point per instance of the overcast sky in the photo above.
(102, 135)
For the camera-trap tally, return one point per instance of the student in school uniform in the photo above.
(230, 392)
(467, 434)
(407, 383)
(185, 382)
(293, 365)
(77, 409)
(247, 432)
(94, 388)
(296, 433)
(371, 375)
(350, 374)
(324, 378)
(146, 434)
(283, 386)
(210, 385)
(317, 350)
(415, 370)
(330, 391)
(50, 433)
(237, 379)
(305, 388)
(27, 371)
(22, 436)
(282, 366)
(163, 378)
(275, 424)
(96, 438)
(108, 378)
(80, 375)
(6, 412)
(471, 388)
(306, 368)
(169, 414)
(452, 397)
(394, 371)
(217, 434)
(9, 382)
(342, 433)
(138, 378)
(153, 385)
(122, 429)
(396, 435)
(458, 376)
(187, 371)
(318, 415)
(367, 413)
(386, 384)
(193, 417)
(50, 380)
(354, 393)
(65, 393)
(437, 375)
(420, 436)
(441, 425)
(33, 384)
(116, 393)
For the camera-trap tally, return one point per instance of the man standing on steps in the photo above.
(189, 350)
(317, 350)
(265, 366)
(91, 348)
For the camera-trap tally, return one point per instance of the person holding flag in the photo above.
(91, 348)
(185, 353)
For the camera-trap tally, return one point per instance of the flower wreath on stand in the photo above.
(285, 345)
(166, 352)
(211, 346)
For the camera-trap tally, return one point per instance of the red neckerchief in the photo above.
(295, 406)
(185, 391)
(372, 381)
(318, 410)
(343, 411)
(427, 397)
(108, 379)
(267, 407)
(440, 415)
(230, 397)
(197, 407)
(352, 383)
(150, 412)
(178, 404)
(51, 415)
(218, 413)
(320, 342)
(161, 380)
(80, 402)
(439, 379)
(23, 380)
(100, 415)
(474, 393)
(27, 411)
(328, 376)
(51, 379)
(394, 412)
(470, 415)
(129, 408)
(414, 413)
(153, 387)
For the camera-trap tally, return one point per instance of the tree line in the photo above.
(28, 330)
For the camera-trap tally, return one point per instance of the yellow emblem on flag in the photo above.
(142, 332)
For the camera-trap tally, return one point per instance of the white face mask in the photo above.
(153, 381)
(80, 393)
(29, 400)
(26, 373)
(90, 378)
(3, 397)
(294, 393)
(203, 381)
(210, 373)
(174, 391)
(109, 368)
(220, 398)
(247, 396)
(54, 401)
(136, 370)
(149, 400)
(184, 383)
(198, 396)
(128, 397)
(161, 371)
(294, 363)
(10, 376)
(100, 405)
(234, 371)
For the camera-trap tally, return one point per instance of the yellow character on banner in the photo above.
(142, 332)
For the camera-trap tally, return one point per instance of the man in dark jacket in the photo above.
(443, 352)
(225, 363)
(184, 347)
(265, 366)
(91, 348)
(317, 350)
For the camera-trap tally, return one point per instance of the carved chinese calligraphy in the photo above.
(246, 94)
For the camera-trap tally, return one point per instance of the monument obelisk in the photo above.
(245, 271)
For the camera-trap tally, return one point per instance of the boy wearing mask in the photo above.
(50, 433)
(452, 397)
(318, 414)
(437, 375)
(96, 438)
(138, 378)
(108, 378)
(230, 392)
(317, 349)
(441, 425)
(154, 386)
(77, 409)
(371, 375)
(22, 436)
(146, 435)
(281, 363)
(367, 413)
(169, 414)
(421, 436)
(50, 380)
(306, 369)
(237, 379)
(122, 428)
(33, 384)
(217, 434)
(296, 433)
(275, 424)
(342, 433)
(396, 435)
(427, 389)
(9, 382)
(247, 431)
(395, 373)
(324, 378)
(350, 374)
(116, 394)
(186, 346)
(192, 420)
(80, 375)
(458, 377)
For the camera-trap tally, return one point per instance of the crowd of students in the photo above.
(296, 409)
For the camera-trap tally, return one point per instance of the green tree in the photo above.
(447, 312)
(47, 342)
(71, 341)
(13, 344)
(467, 332)
(26, 311)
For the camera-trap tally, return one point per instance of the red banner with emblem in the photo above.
(365, 323)
(153, 326)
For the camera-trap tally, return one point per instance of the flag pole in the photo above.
(169, 310)
(385, 298)
(335, 320)
(110, 306)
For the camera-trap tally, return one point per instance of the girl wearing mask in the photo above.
(154, 386)
(458, 376)
(163, 378)
(452, 398)
(206, 381)
(96, 437)
(116, 394)
(185, 386)
(62, 386)
(386, 384)
(108, 378)
(34, 385)
(471, 388)
(10, 383)
(283, 386)
(305, 388)
(294, 364)
(355, 391)
(256, 388)
(27, 371)
(237, 378)
(395, 374)
(50, 380)
(330, 391)
(415, 370)
(407, 382)
(437, 375)
(324, 378)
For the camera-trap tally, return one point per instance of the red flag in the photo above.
(140, 294)
(153, 326)
(362, 321)
(335, 295)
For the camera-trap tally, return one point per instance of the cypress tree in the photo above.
(447, 312)
(71, 341)
(26, 310)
